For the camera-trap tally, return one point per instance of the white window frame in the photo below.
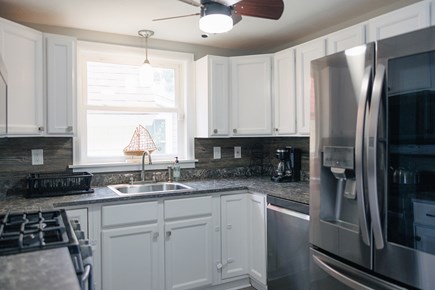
(182, 62)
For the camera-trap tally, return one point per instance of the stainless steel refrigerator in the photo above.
(372, 165)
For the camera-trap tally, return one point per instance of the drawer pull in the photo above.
(430, 215)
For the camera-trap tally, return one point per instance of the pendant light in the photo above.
(146, 70)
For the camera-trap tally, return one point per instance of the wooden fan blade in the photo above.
(191, 2)
(175, 17)
(269, 9)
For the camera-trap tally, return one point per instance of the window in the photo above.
(113, 101)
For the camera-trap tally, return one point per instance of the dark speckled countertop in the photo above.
(294, 191)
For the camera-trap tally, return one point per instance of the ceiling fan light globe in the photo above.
(215, 23)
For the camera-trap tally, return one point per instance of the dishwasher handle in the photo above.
(287, 212)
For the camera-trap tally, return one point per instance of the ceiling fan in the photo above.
(218, 16)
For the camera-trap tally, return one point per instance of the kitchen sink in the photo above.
(150, 188)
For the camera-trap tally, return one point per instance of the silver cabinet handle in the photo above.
(215, 131)
(375, 110)
(69, 129)
(360, 144)
(168, 234)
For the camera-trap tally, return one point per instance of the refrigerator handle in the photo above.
(360, 154)
(348, 281)
(372, 179)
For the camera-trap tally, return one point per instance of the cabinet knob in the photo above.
(215, 131)
(168, 234)
(276, 129)
(41, 128)
(155, 235)
(69, 129)
(234, 130)
(230, 260)
(219, 266)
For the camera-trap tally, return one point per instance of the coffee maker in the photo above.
(289, 166)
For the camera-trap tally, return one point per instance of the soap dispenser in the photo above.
(177, 170)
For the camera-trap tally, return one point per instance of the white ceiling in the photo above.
(300, 18)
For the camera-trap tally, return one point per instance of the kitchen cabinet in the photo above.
(212, 96)
(345, 38)
(234, 224)
(188, 243)
(60, 57)
(305, 53)
(132, 246)
(257, 237)
(400, 21)
(21, 48)
(284, 96)
(251, 96)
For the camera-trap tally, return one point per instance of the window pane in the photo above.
(119, 85)
(110, 132)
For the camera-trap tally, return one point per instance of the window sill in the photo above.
(124, 166)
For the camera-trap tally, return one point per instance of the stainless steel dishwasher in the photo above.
(288, 263)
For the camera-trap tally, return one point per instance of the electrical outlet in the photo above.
(217, 152)
(37, 157)
(237, 152)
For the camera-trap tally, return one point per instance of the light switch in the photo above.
(37, 157)
(217, 152)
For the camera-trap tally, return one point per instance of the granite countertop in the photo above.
(40, 270)
(294, 191)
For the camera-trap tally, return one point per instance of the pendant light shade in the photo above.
(215, 18)
(146, 69)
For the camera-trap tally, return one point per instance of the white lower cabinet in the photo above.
(188, 243)
(131, 246)
(205, 242)
(234, 224)
(130, 257)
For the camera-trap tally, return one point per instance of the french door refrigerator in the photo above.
(372, 165)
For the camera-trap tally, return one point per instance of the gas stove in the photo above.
(42, 230)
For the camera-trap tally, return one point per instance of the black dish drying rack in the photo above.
(57, 184)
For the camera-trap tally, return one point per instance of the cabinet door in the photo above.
(189, 253)
(400, 21)
(234, 226)
(305, 53)
(61, 87)
(251, 95)
(284, 92)
(345, 39)
(21, 48)
(257, 237)
(212, 96)
(130, 258)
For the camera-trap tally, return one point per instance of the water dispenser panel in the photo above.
(339, 156)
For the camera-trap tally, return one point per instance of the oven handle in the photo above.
(86, 278)
(288, 212)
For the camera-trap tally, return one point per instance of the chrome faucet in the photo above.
(142, 175)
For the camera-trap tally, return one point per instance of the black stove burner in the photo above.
(23, 232)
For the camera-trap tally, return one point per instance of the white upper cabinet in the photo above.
(400, 21)
(284, 92)
(212, 96)
(305, 53)
(251, 95)
(345, 39)
(60, 83)
(21, 48)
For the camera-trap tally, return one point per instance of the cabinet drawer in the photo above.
(185, 207)
(424, 214)
(121, 214)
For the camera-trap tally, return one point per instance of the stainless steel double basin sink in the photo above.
(150, 188)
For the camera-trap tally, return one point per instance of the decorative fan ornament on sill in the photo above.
(219, 16)
(140, 142)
